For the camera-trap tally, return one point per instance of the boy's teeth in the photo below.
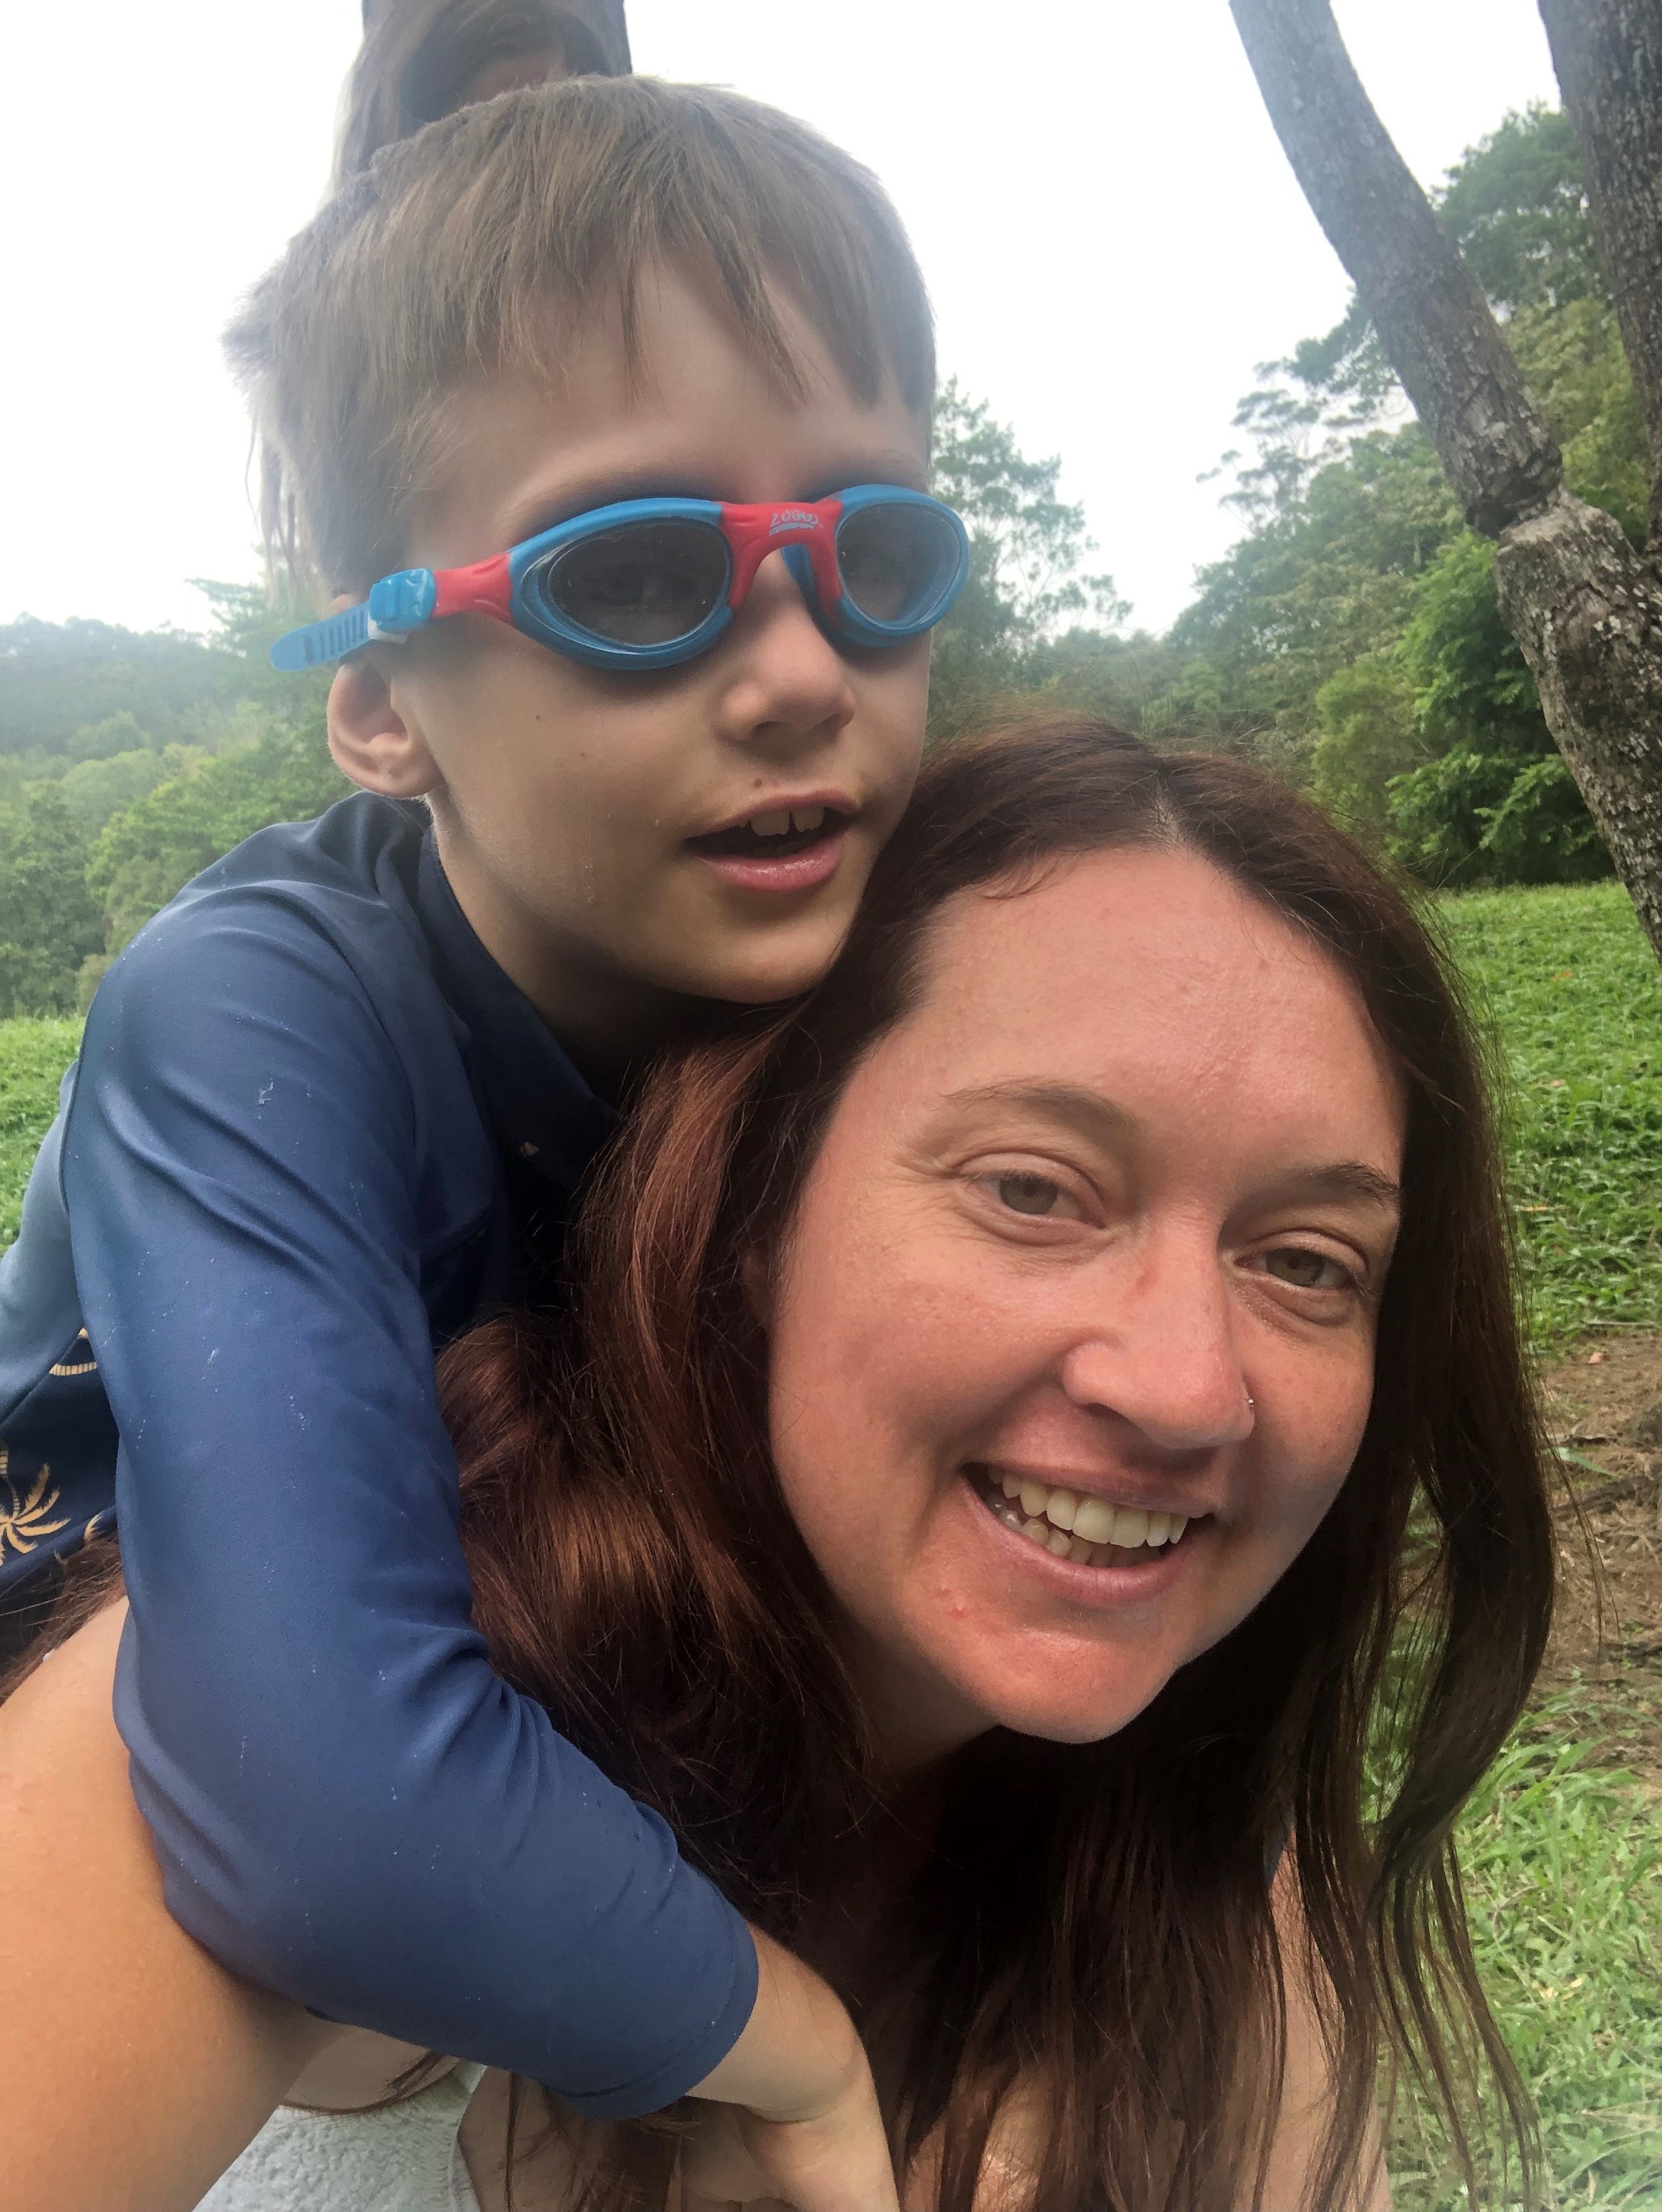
(1048, 1512)
(783, 819)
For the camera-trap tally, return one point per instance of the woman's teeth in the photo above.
(784, 819)
(1083, 1529)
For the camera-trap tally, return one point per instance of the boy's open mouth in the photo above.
(778, 836)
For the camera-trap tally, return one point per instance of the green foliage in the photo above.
(1572, 358)
(1470, 684)
(1494, 804)
(104, 816)
(49, 921)
(1367, 738)
(1572, 993)
(1517, 205)
(116, 733)
(1470, 818)
(1317, 587)
(94, 790)
(150, 850)
(1027, 549)
(32, 1057)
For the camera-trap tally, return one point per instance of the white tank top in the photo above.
(403, 2158)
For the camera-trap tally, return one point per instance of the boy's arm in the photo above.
(349, 1808)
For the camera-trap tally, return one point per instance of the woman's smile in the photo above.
(1062, 1522)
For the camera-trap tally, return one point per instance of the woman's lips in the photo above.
(802, 870)
(1111, 1573)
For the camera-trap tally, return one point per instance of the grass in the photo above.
(1563, 1846)
(1562, 1852)
(1574, 993)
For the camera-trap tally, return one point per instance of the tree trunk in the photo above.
(1586, 611)
(1608, 54)
(1585, 608)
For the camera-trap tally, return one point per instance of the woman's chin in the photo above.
(1061, 1713)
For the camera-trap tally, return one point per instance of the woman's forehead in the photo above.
(1149, 974)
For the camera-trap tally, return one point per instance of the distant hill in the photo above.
(57, 679)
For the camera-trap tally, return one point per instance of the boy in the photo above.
(332, 1104)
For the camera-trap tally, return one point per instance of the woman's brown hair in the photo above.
(421, 59)
(1091, 1921)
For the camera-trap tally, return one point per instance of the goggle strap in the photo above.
(332, 639)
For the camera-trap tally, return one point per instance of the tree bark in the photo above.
(1586, 611)
(1585, 608)
(1608, 55)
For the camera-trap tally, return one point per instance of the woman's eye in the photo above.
(1308, 1270)
(1034, 1195)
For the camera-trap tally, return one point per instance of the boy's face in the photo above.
(570, 801)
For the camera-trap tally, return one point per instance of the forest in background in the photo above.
(1349, 640)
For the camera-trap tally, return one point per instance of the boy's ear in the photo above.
(370, 740)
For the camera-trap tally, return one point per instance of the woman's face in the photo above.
(1092, 1254)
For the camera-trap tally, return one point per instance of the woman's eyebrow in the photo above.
(1087, 1111)
(1105, 1122)
(1344, 1179)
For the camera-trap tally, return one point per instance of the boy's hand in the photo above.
(805, 2129)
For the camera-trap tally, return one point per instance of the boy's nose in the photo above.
(783, 679)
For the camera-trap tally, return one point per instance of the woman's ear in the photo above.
(370, 740)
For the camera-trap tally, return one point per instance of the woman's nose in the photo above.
(1164, 1356)
(784, 681)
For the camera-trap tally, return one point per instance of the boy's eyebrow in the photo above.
(890, 466)
(540, 511)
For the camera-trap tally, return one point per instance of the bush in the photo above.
(1471, 818)
(1367, 740)
(151, 850)
(49, 920)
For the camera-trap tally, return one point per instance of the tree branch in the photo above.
(1585, 608)
(1608, 54)
(1434, 323)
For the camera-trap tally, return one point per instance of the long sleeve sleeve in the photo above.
(351, 1809)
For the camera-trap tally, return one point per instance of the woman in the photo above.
(423, 59)
(971, 1501)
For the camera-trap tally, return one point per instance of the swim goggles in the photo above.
(648, 583)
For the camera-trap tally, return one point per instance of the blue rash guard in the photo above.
(280, 1178)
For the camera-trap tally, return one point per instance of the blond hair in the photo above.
(482, 244)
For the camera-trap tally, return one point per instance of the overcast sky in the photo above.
(1111, 234)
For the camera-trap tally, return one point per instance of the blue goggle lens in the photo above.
(638, 584)
(897, 563)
